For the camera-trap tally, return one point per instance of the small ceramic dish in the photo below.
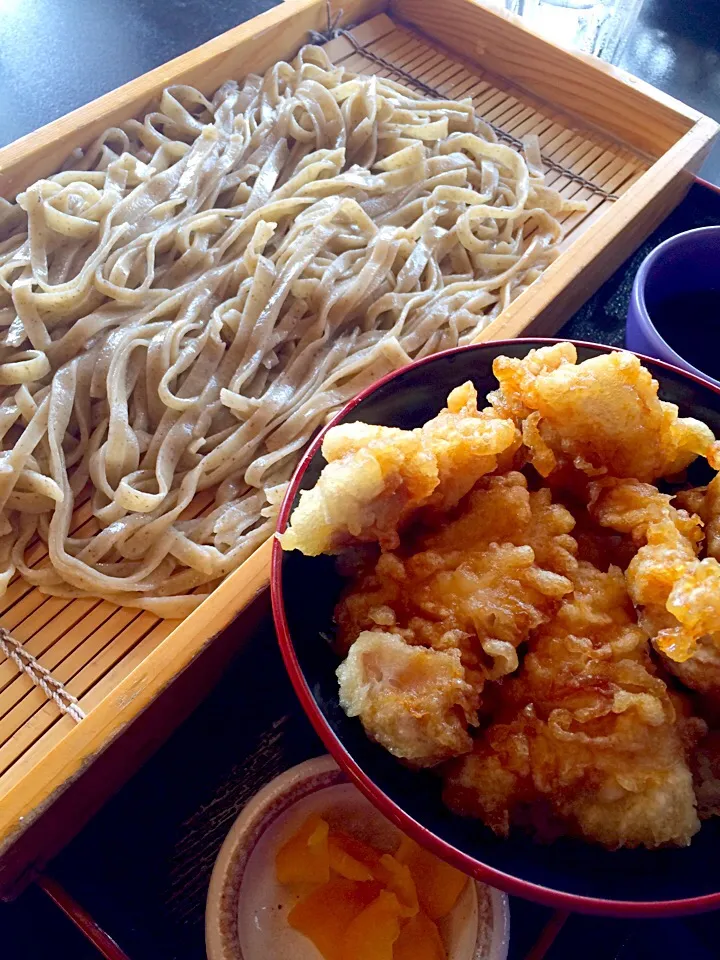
(246, 913)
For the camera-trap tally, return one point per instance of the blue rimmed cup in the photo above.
(688, 263)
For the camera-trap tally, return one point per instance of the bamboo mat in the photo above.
(582, 164)
(90, 646)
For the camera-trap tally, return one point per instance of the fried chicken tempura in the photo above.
(678, 594)
(705, 502)
(586, 741)
(377, 477)
(630, 507)
(701, 671)
(707, 776)
(479, 585)
(413, 701)
(509, 572)
(603, 415)
(502, 509)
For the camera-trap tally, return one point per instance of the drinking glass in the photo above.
(600, 27)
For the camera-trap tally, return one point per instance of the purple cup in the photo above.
(687, 263)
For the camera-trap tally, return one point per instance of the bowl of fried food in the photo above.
(496, 589)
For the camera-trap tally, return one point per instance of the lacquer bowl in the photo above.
(568, 874)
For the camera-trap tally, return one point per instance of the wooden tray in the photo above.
(624, 147)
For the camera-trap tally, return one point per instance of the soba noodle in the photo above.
(187, 302)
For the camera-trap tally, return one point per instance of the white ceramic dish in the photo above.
(245, 917)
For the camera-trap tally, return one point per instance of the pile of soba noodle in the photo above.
(189, 300)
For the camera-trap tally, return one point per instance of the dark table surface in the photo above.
(141, 867)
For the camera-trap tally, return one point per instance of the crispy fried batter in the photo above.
(679, 595)
(598, 545)
(701, 671)
(587, 741)
(480, 584)
(706, 768)
(705, 502)
(466, 444)
(501, 509)
(516, 377)
(377, 477)
(414, 702)
(629, 506)
(602, 415)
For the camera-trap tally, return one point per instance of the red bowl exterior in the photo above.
(469, 865)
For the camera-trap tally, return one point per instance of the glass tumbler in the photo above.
(599, 27)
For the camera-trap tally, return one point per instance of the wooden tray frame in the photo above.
(674, 137)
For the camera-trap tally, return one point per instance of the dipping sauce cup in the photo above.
(674, 312)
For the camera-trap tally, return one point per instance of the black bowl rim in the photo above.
(421, 834)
